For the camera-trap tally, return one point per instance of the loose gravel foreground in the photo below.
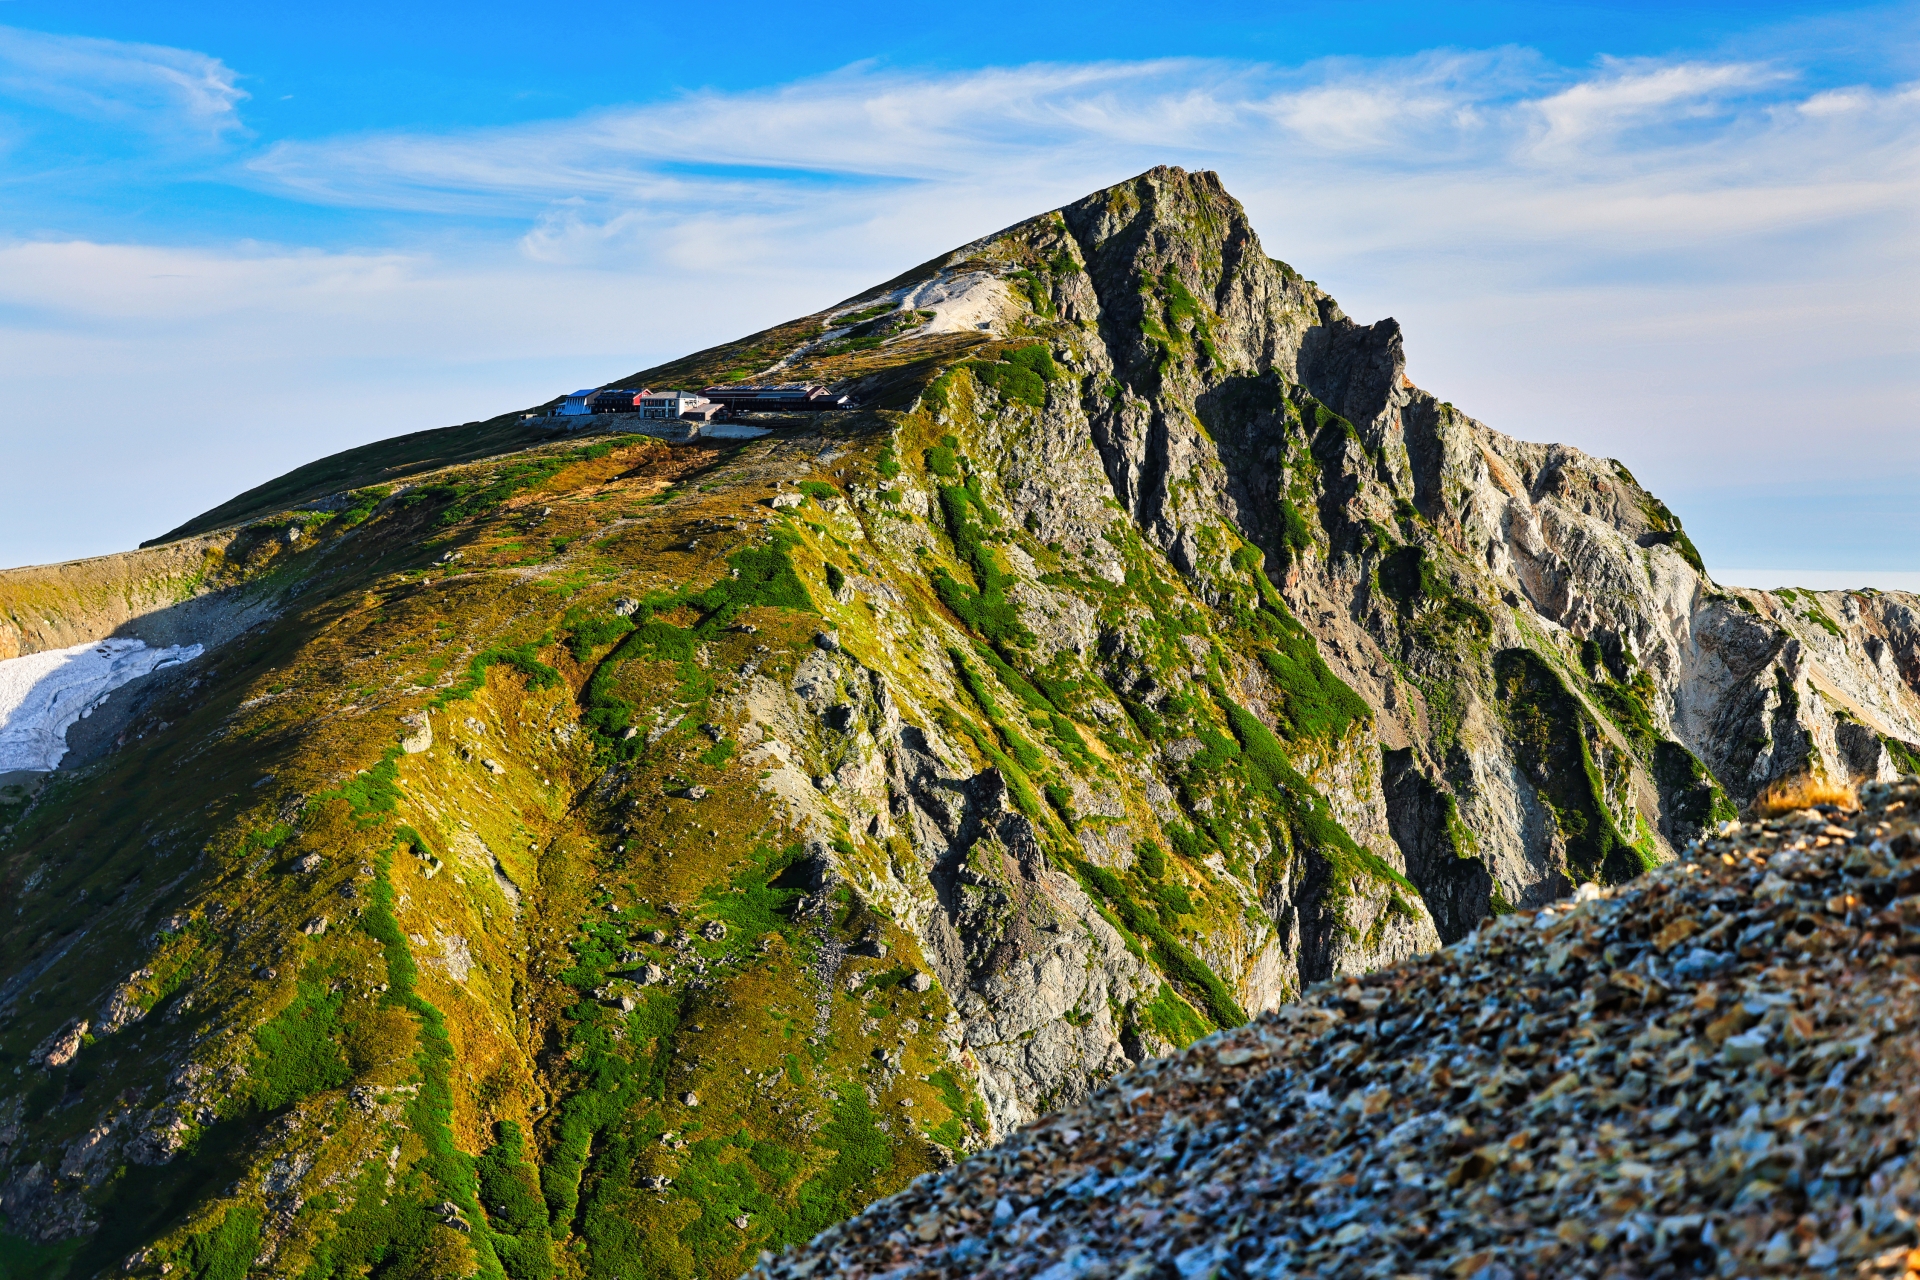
(1707, 1071)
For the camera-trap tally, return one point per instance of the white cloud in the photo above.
(156, 89)
(1642, 93)
(1821, 579)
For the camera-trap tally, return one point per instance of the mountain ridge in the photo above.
(600, 858)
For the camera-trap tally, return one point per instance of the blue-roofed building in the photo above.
(580, 402)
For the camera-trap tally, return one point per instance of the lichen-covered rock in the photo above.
(58, 1049)
(418, 734)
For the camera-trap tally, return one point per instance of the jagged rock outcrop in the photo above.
(653, 854)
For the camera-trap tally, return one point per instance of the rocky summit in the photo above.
(574, 853)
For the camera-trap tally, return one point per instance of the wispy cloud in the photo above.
(1676, 147)
(1682, 262)
(153, 88)
(1446, 106)
(1642, 94)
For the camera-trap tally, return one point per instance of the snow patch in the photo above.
(967, 301)
(43, 694)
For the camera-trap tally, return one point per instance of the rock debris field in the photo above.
(1706, 1071)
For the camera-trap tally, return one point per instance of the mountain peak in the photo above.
(575, 850)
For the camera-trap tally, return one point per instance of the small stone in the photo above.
(920, 982)
(714, 930)
(493, 766)
(1749, 1046)
(625, 606)
(315, 927)
(652, 976)
(828, 640)
(742, 1221)
(1678, 931)
(1241, 1054)
(690, 1098)
(308, 863)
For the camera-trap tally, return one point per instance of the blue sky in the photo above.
(233, 238)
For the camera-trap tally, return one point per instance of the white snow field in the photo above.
(43, 694)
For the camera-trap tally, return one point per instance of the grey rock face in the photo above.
(1469, 586)
(1561, 553)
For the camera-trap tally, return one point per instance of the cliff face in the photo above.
(609, 859)
(1433, 544)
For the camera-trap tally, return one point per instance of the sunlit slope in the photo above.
(601, 858)
(296, 942)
